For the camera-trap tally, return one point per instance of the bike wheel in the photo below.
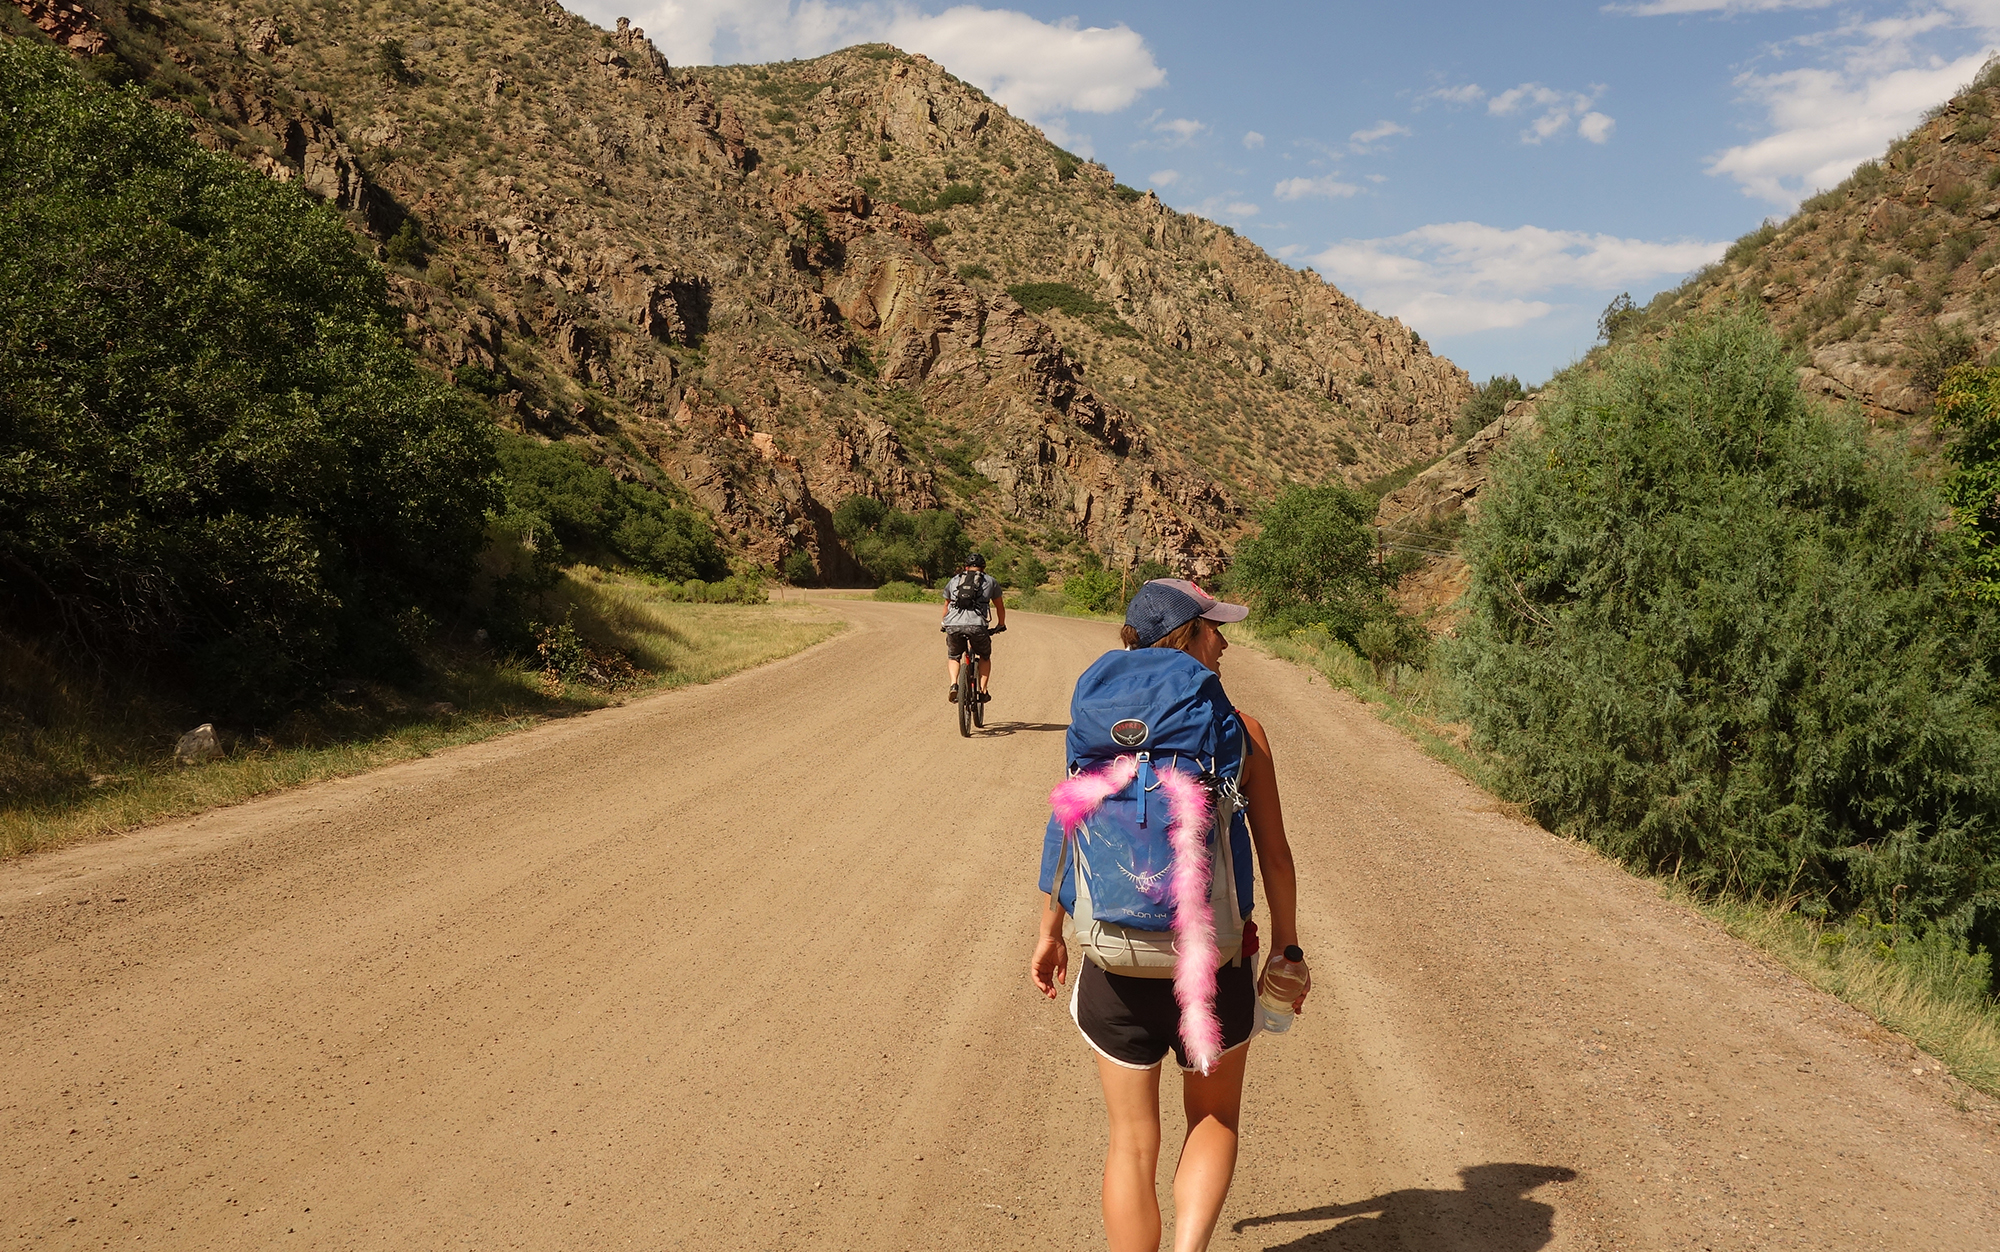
(968, 694)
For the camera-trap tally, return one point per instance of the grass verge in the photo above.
(1418, 702)
(103, 768)
(1931, 994)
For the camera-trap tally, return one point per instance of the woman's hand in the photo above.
(1050, 964)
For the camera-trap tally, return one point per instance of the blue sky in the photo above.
(1493, 174)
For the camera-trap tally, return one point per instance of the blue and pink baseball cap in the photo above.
(1164, 605)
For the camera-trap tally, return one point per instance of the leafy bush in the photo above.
(1619, 316)
(1934, 352)
(1130, 195)
(1094, 589)
(902, 592)
(1745, 249)
(890, 544)
(735, 589)
(213, 441)
(406, 247)
(1710, 631)
(973, 270)
(1968, 409)
(1313, 564)
(1041, 297)
(955, 194)
(798, 568)
(1016, 568)
(590, 514)
(1486, 405)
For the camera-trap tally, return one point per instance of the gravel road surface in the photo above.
(743, 966)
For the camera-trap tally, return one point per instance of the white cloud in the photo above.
(1038, 69)
(1163, 178)
(1465, 93)
(1825, 123)
(1595, 127)
(1252, 140)
(1325, 185)
(1459, 277)
(1179, 130)
(1556, 110)
(1869, 79)
(1224, 207)
(1364, 140)
(1658, 8)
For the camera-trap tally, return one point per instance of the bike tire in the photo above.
(978, 710)
(968, 693)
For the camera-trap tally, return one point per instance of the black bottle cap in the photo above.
(1294, 953)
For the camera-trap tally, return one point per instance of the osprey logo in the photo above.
(1129, 733)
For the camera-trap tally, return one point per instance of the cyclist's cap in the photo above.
(1164, 605)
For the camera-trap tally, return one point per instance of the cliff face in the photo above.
(782, 285)
(1887, 279)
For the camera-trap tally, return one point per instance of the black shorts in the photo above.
(1134, 1021)
(958, 642)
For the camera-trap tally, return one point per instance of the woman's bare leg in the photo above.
(1132, 1165)
(1214, 1106)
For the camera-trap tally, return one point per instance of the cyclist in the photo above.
(967, 597)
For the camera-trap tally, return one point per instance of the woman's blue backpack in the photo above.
(1162, 709)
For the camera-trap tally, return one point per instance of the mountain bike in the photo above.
(971, 709)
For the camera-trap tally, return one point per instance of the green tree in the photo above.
(550, 487)
(1968, 408)
(1486, 404)
(213, 442)
(1313, 563)
(1711, 631)
(1093, 589)
(890, 544)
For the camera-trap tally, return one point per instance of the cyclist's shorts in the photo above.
(958, 642)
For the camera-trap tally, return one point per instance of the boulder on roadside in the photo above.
(198, 745)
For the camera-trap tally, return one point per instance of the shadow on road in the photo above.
(1492, 1213)
(1014, 728)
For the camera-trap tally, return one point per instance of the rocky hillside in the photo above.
(1887, 280)
(773, 287)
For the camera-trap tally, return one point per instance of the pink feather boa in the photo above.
(1194, 920)
(1077, 797)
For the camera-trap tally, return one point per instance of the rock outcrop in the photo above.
(1426, 514)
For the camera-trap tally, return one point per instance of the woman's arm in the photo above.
(1267, 833)
(1050, 964)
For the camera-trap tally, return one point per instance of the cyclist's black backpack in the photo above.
(968, 591)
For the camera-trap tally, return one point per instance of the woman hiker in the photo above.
(1132, 1022)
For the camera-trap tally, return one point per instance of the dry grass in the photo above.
(1932, 998)
(133, 780)
(1418, 702)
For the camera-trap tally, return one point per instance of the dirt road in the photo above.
(743, 966)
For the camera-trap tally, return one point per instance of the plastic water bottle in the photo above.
(1285, 979)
